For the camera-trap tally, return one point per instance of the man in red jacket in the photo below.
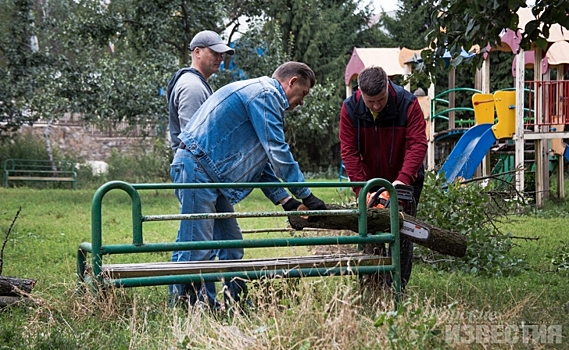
(382, 135)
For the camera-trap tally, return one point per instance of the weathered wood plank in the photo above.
(192, 267)
(41, 178)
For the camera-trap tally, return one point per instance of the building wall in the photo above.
(92, 146)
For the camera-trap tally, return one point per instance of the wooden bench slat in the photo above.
(40, 178)
(191, 267)
(39, 171)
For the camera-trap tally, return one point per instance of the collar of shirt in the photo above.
(282, 92)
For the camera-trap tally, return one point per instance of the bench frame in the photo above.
(38, 170)
(98, 274)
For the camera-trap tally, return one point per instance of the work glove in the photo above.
(314, 203)
(291, 204)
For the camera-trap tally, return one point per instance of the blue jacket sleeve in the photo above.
(266, 112)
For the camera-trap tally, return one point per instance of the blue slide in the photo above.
(468, 153)
(566, 153)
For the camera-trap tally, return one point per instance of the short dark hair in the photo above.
(298, 69)
(372, 81)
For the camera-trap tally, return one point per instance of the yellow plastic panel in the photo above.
(505, 102)
(483, 105)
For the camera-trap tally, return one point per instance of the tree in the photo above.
(322, 34)
(258, 52)
(18, 63)
(409, 27)
(311, 130)
(469, 23)
(169, 25)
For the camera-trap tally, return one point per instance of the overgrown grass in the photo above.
(312, 313)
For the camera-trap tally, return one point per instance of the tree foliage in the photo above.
(322, 34)
(458, 25)
(18, 63)
(82, 65)
(473, 212)
(409, 27)
(312, 129)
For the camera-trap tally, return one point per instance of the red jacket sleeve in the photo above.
(415, 144)
(349, 149)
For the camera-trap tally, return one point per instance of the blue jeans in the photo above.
(186, 169)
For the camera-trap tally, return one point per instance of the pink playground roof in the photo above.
(387, 58)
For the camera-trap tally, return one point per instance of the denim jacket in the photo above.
(237, 135)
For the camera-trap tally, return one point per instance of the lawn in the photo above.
(440, 309)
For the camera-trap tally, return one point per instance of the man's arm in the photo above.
(266, 114)
(415, 144)
(349, 149)
(275, 195)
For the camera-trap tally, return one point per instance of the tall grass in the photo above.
(311, 313)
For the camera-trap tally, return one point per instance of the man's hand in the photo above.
(397, 182)
(291, 204)
(314, 203)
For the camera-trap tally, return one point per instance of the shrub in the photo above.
(20, 146)
(25, 147)
(470, 210)
(153, 166)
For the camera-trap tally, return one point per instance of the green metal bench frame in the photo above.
(95, 273)
(39, 170)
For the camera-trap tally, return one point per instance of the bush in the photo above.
(25, 147)
(153, 166)
(20, 146)
(470, 210)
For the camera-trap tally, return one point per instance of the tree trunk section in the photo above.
(12, 286)
(378, 220)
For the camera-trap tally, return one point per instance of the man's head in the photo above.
(373, 83)
(207, 52)
(296, 79)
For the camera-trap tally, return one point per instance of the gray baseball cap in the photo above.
(211, 39)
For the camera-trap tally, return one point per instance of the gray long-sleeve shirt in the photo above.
(188, 93)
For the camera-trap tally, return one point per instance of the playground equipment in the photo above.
(454, 129)
(101, 274)
(473, 146)
(545, 120)
(547, 102)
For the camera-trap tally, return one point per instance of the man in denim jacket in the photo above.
(237, 135)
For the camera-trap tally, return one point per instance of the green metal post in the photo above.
(97, 222)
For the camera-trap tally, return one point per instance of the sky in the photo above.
(391, 5)
(388, 5)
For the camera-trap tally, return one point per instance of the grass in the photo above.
(311, 313)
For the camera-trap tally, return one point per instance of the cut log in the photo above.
(12, 286)
(378, 220)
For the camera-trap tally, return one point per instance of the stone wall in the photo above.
(77, 140)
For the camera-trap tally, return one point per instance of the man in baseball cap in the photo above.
(187, 91)
(212, 40)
